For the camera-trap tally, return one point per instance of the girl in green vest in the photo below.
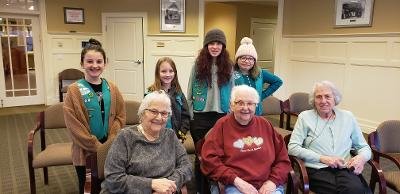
(94, 109)
(166, 78)
(247, 72)
(209, 89)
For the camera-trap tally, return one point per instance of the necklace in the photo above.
(147, 135)
(332, 116)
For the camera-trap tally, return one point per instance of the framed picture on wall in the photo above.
(74, 15)
(172, 15)
(353, 13)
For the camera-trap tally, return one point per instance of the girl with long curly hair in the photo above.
(209, 89)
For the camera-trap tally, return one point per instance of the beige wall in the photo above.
(247, 11)
(235, 19)
(314, 17)
(55, 16)
(222, 16)
(93, 10)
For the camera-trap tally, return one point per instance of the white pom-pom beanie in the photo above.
(246, 48)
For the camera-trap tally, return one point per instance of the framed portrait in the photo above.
(353, 13)
(172, 15)
(74, 15)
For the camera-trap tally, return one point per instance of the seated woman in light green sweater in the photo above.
(147, 158)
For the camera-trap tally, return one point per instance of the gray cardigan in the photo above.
(133, 161)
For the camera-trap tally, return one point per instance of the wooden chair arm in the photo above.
(377, 172)
(31, 139)
(377, 154)
(304, 181)
(286, 106)
(92, 182)
(292, 183)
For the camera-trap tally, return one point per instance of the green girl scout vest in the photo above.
(92, 104)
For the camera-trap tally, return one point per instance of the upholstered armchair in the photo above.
(54, 154)
(293, 106)
(384, 144)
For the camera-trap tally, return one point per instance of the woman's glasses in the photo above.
(243, 104)
(244, 58)
(154, 112)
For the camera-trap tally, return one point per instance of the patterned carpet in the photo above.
(14, 176)
(13, 159)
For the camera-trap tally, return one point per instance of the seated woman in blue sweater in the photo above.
(323, 138)
(247, 72)
(147, 158)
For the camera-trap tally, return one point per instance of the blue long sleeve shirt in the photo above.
(265, 77)
(313, 137)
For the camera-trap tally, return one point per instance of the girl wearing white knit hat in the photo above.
(247, 72)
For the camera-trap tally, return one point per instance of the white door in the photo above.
(262, 33)
(124, 46)
(20, 65)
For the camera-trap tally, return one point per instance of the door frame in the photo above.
(142, 15)
(39, 98)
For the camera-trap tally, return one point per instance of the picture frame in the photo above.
(353, 13)
(172, 15)
(74, 15)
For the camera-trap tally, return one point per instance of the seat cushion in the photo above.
(189, 144)
(393, 179)
(283, 132)
(64, 89)
(54, 155)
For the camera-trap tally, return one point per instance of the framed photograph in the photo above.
(172, 15)
(354, 13)
(74, 15)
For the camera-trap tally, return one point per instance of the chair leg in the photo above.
(372, 182)
(46, 176)
(32, 180)
(60, 96)
(281, 119)
(288, 121)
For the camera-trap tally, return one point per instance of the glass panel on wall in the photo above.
(18, 56)
(21, 93)
(25, 5)
(2, 20)
(28, 22)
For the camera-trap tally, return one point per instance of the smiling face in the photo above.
(152, 119)
(167, 74)
(93, 64)
(324, 101)
(245, 63)
(243, 108)
(214, 48)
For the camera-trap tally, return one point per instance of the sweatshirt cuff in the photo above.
(275, 181)
(230, 179)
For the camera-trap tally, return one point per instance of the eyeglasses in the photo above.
(155, 113)
(249, 59)
(243, 104)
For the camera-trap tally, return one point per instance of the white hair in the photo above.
(158, 96)
(336, 94)
(244, 89)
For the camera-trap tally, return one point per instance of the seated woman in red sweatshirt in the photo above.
(243, 151)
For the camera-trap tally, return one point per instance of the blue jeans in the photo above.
(230, 189)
